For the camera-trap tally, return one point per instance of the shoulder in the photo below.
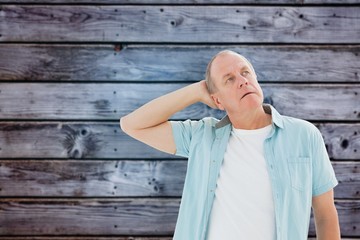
(301, 133)
(297, 125)
(205, 123)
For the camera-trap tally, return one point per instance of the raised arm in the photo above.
(149, 123)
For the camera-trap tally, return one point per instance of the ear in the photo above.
(217, 102)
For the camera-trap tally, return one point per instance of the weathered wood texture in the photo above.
(74, 140)
(83, 101)
(348, 218)
(118, 216)
(348, 175)
(202, 24)
(93, 216)
(342, 140)
(110, 101)
(92, 238)
(123, 178)
(69, 69)
(101, 140)
(286, 63)
(330, 1)
(104, 238)
(193, 2)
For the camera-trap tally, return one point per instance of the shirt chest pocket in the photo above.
(300, 172)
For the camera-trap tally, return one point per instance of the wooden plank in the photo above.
(71, 140)
(349, 218)
(111, 101)
(347, 174)
(123, 178)
(84, 101)
(305, 2)
(86, 238)
(202, 24)
(88, 216)
(62, 62)
(167, 2)
(341, 139)
(180, 2)
(99, 140)
(109, 238)
(117, 216)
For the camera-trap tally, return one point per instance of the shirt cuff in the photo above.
(176, 130)
(325, 188)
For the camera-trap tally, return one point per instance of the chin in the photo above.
(252, 100)
(244, 106)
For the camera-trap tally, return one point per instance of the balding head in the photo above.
(208, 76)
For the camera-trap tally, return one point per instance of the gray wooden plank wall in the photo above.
(70, 69)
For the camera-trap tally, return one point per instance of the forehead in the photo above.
(226, 63)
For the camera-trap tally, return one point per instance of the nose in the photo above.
(241, 81)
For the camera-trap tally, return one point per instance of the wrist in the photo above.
(203, 92)
(195, 92)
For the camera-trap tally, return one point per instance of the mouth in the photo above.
(246, 94)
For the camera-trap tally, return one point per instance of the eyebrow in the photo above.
(230, 73)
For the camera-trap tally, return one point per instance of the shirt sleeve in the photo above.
(182, 132)
(324, 177)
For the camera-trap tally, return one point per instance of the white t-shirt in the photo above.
(243, 206)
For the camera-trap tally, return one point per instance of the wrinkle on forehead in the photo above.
(221, 69)
(237, 66)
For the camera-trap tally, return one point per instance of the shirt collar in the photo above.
(276, 117)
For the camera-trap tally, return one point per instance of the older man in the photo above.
(255, 174)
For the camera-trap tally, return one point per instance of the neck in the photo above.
(250, 119)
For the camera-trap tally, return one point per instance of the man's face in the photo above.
(234, 80)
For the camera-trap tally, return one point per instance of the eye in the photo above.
(229, 79)
(246, 72)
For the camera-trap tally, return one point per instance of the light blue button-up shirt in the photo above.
(296, 158)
